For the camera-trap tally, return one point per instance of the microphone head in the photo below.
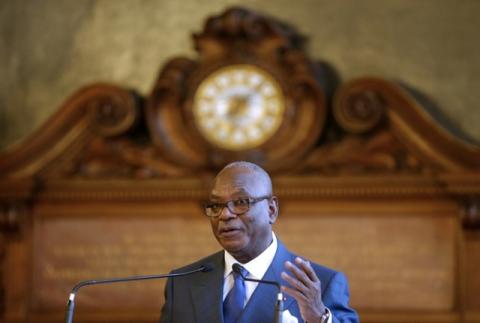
(237, 268)
(207, 267)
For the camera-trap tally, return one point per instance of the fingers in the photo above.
(298, 272)
(303, 279)
(304, 272)
(307, 268)
(300, 297)
(295, 282)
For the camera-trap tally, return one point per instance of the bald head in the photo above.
(250, 169)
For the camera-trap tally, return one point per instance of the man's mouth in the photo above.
(228, 231)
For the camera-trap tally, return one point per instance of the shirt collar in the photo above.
(256, 267)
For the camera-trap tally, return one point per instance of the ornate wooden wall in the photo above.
(369, 183)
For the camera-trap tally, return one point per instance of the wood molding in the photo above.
(380, 186)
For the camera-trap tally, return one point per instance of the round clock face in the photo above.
(238, 107)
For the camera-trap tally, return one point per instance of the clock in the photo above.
(252, 94)
(238, 107)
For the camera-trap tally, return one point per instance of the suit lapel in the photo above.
(206, 293)
(261, 306)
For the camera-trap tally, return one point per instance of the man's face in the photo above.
(245, 236)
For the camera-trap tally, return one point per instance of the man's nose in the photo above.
(226, 214)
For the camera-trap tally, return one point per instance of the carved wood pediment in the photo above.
(369, 126)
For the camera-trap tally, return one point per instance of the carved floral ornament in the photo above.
(251, 74)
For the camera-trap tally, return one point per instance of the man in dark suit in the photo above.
(242, 210)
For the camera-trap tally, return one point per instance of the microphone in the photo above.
(278, 304)
(71, 299)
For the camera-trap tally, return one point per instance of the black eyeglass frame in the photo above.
(229, 205)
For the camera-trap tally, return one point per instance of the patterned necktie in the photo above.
(233, 303)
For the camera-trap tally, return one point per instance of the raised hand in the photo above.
(306, 288)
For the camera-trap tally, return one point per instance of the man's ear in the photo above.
(273, 209)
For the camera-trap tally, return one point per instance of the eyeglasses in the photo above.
(237, 207)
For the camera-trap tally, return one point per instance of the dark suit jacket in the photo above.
(198, 297)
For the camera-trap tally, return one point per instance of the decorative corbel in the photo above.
(470, 213)
(11, 215)
(15, 198)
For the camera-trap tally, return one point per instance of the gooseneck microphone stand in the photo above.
(71, 299)
(279, 302)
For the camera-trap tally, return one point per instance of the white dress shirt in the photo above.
(256, 269)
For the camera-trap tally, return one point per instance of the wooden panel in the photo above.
(385, 249)
(472, 255)
(96, 242)
(394, 260)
